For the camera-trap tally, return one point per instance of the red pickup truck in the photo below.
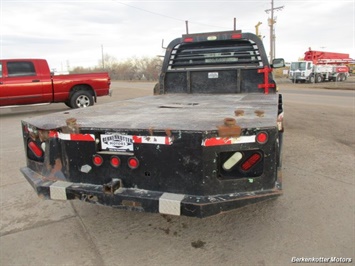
(30, 81)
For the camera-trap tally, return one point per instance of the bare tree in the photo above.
(134, 68)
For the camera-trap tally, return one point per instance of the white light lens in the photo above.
(212, 38)
(232, 161)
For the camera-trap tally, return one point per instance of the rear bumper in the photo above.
(146, 201)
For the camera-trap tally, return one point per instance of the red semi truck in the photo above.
(30, 81)
(319, 66)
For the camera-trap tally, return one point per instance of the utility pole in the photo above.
(102, 56)
(272, 21)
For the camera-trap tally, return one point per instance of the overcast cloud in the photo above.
(74, 32)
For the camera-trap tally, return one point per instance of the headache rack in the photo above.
(216, 62)
(224, 53)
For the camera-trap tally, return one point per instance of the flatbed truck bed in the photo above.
(208, 141)
(172, 111)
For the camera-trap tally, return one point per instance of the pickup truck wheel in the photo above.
(81, 99)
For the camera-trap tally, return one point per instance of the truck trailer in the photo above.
(208, 141)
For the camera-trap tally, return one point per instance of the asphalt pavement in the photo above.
(313, 220)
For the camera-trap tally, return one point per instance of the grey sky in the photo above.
(73, 32)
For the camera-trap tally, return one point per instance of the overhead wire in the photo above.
(166, 16)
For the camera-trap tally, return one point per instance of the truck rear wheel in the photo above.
(319, 79)
(81, 99)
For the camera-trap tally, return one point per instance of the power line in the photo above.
(166, 16)
(148, 11)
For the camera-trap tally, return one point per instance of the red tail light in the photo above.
(251, 161)
(37, 151)
(115, 161)
(188, 39)
(236, 36)
(133, 163)
(97, 160)
(262, 137)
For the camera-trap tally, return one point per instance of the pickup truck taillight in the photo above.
(132, 162)
(251, 161)
(97, 160)
(36, 151)
(262, 137)
(115, 161)
(241, 164)
(36, 142)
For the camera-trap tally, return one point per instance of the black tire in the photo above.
(67, 103)
(319, 79)
(156, 90)
(311, 79)
(81, 99)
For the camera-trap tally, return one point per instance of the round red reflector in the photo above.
(262, 137)
(133, 163)
(97, 160)
(115, 161)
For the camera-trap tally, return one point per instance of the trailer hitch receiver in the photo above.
(112, 186)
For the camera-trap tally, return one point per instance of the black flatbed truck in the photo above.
(208, 141)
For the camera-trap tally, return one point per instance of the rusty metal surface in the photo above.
(175, 112)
